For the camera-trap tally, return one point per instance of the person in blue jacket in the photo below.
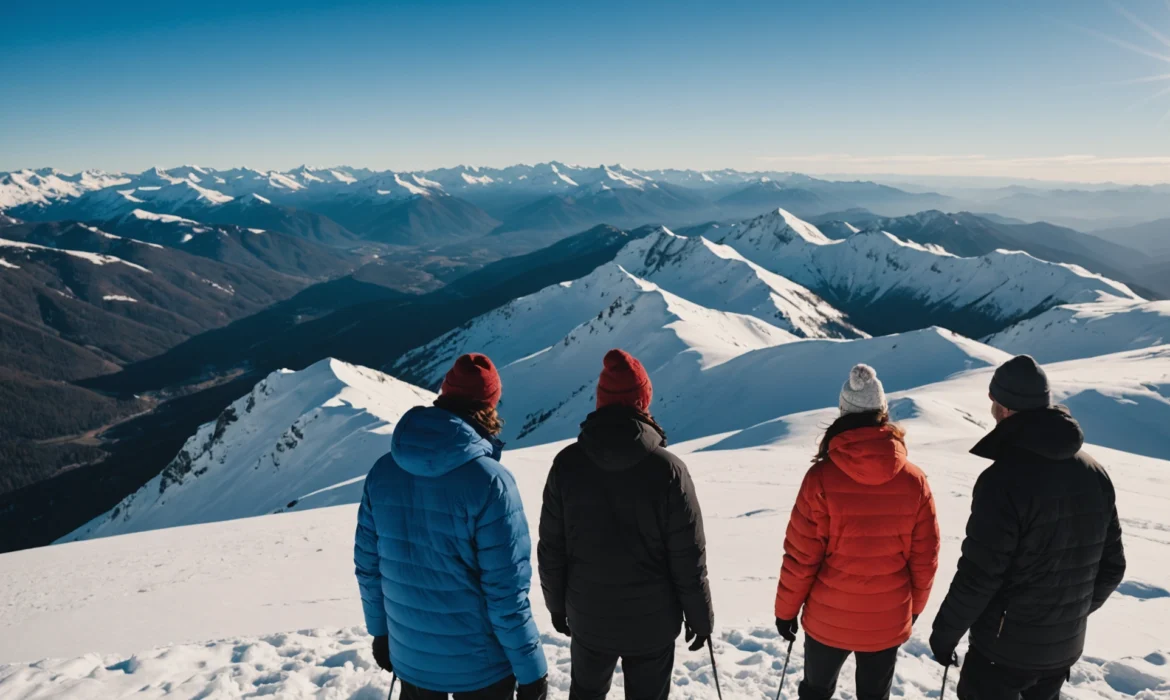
(442, 552)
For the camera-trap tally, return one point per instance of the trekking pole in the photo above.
(954, 661)
(393, 680)
(784, 673)
(714, 668)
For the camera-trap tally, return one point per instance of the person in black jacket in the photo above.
(622, 555)
(1043, 548)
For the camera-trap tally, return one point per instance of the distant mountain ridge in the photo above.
(972, 235)
(254, 248)
(890, 285)
(536, 203)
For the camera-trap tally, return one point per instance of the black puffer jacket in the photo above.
(1043, 546)
(621, 550)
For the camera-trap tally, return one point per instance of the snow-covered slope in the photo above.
(887, 284)
(753, 387)
(1085, 330)
(392, 185)
(717, 276)
(694, 269)
(521, 327)
(40, 187)
(659, 328)
(294, 434)
(170, 196)
(249, 583)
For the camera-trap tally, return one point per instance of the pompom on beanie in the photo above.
(863, 392)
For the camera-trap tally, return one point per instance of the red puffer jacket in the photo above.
(862, 544)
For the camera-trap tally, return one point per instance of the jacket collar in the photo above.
(616, 438)
(1050, 433)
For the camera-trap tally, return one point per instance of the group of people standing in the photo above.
(443, 551)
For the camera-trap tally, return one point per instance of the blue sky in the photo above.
(991, 87)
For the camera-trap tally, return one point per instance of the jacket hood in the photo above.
(869, 456)
(616, 438)
(430, 441)
(1051, 433)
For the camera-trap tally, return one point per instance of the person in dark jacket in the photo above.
(1043, 548)
(443, 553)
(622, 555)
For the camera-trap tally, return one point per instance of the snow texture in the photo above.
(96, 258)
(120, 618)
(1084, 330)
(247, 534)
(874, 265)
(294, 434)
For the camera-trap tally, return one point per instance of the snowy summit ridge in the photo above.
(294, 434)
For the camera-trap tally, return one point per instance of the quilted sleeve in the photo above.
(365, 560)
(804, 546)
(992, 536)
(686, 546)
(503, 550)
(1112, 568)
(924, 546)
(551, 551)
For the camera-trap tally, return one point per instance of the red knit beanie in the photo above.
(624, 382)
(474, 379)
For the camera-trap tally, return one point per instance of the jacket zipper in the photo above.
(1002, 619)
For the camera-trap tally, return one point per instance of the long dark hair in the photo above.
(852, 421)
(484, 419)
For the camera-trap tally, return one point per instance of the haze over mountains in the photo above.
(405, 206)
(146, 302)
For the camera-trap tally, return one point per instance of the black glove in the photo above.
(944, 652)
(561, 624)
(700, 640)
(787, 628)
(382, 653)
(536, 690)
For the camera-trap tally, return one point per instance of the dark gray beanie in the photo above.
(1020, 384)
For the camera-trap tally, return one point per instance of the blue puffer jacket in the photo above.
(443, 558)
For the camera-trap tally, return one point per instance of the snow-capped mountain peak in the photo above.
(777, 228)
(393, 185)
(182, 194)
(717, 276)
(899, 285)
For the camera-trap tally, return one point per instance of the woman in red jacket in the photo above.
(861, 549)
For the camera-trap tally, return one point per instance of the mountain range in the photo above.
(247, 247)
(900, 285)
(526, 206)
(699, 314)
(199, 282)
